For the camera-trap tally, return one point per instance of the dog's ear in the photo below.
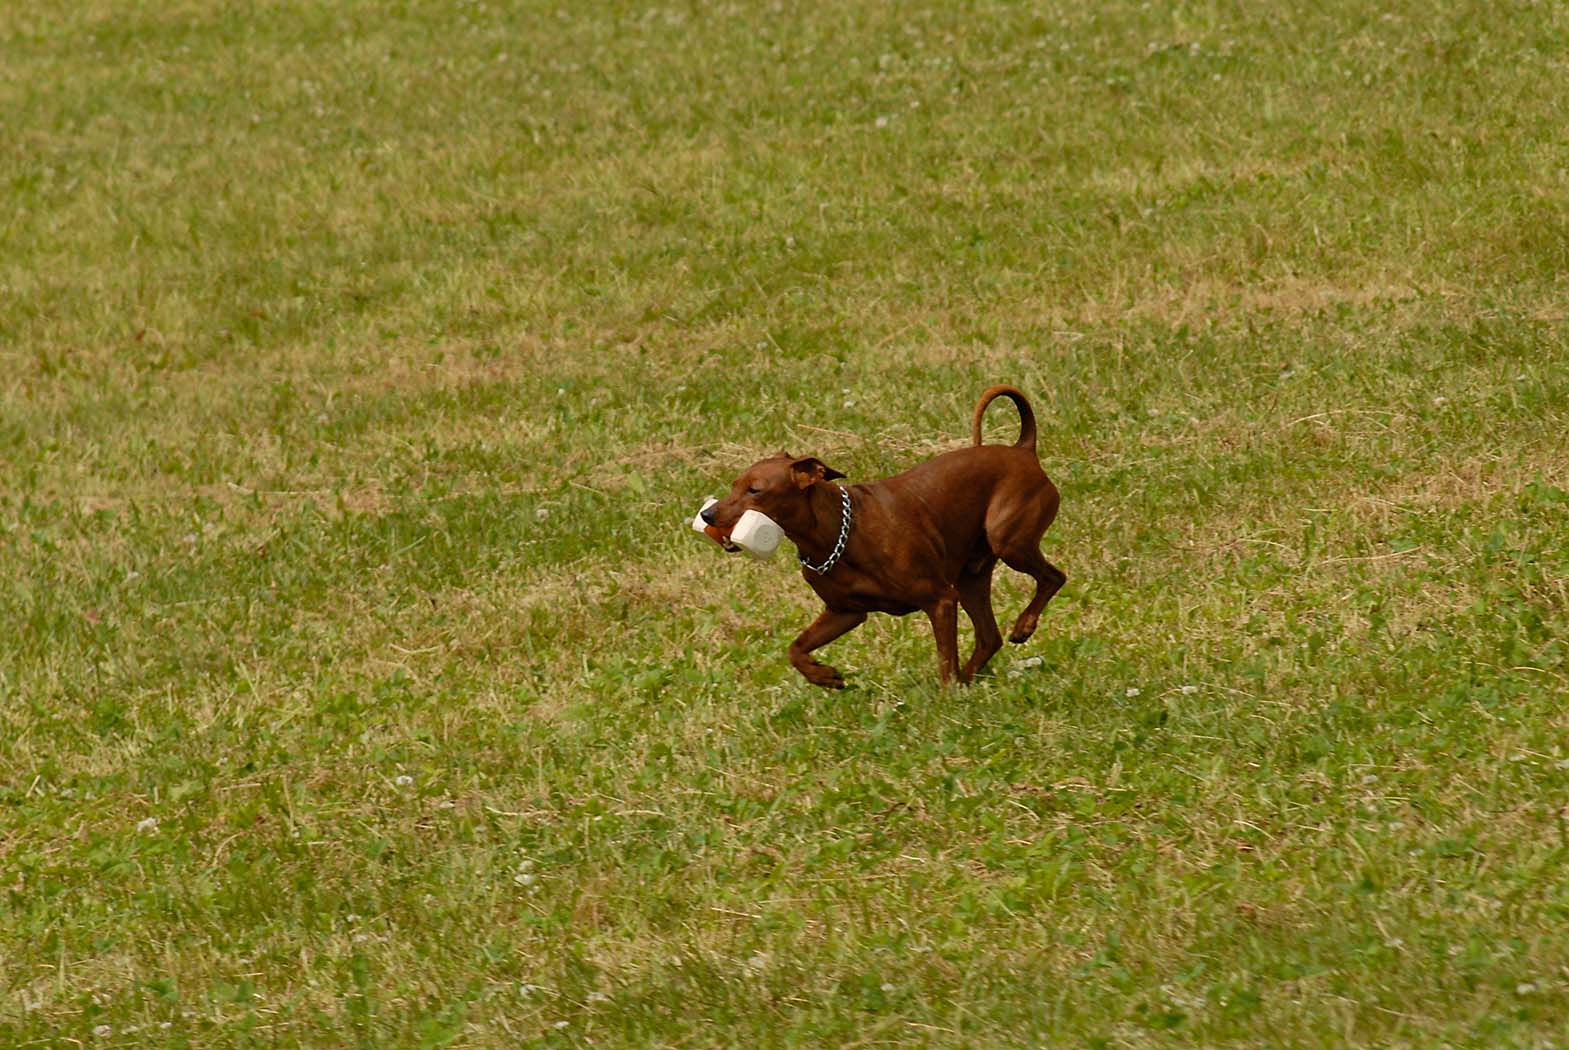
(809, 471)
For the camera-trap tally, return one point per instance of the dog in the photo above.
(924, 540)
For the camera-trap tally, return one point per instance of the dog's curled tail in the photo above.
(1026, 415)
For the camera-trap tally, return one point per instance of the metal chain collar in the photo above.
(844, 534)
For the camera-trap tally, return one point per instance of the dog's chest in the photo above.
(846, 589)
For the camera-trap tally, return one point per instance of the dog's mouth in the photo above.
(721, 537)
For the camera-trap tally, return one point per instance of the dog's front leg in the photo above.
(944, 614)
(828, 626)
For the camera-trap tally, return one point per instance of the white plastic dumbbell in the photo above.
(754, 533)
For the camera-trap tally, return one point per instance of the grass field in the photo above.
(360, 366)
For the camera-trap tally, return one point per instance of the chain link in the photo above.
(844, 534)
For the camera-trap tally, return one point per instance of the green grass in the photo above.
(360, 682)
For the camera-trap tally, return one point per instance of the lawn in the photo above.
(361, 683)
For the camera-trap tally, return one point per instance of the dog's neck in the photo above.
(818, 532)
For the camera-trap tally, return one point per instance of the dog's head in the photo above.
(778, 487)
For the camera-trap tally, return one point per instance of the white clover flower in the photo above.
(147, 825)
(882, 122)
(1188, 690)
(102, 1030)
(1131, 691)
(403, 780)
(1026, 664)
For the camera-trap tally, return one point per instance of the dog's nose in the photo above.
(708, 515)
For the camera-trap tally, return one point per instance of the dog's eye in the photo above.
(752, 490)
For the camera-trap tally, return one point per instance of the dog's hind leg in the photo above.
(1014, 527)
(1048, 581)
(975, 594)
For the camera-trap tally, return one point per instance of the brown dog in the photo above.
(926, 539)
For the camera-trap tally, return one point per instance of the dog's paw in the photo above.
(826, 677)
(1022, 631)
